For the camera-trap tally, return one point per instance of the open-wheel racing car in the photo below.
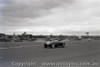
(54, 44)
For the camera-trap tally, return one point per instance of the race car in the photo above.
(54, 44)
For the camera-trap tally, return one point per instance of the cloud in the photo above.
(31, 8)
(47, 16)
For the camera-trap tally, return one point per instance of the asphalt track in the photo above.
(33, 54)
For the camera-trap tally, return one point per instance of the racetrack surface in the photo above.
(14, 54)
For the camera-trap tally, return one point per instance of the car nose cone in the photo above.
(47, 42)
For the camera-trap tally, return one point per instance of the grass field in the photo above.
(21, 54)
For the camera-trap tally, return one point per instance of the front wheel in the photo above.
(45, 45)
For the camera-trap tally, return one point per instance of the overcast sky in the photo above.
(50, 16)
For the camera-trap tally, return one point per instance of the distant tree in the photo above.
(30, 36)
(51, 35)
(24, 33)
(23, 36)
(1, 34)
(87, 33)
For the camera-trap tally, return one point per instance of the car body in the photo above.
(53, 44)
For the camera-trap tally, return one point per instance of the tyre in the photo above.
(63, 45)
(45, 46)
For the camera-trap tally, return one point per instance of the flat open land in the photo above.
(33, 54)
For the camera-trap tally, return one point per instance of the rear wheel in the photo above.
(63, 45)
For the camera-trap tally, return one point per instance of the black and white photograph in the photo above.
(49, 33)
